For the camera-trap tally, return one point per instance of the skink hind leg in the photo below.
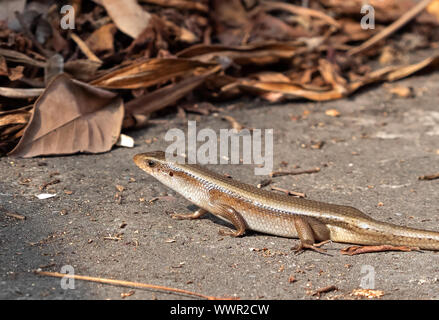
(234, 217)
(194, 215)
(307, 233)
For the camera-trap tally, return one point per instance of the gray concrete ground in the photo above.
(371, 158)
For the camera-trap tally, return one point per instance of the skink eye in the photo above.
(151, 163)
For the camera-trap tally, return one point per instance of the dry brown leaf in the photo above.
(388, 55)
(15, 56)
(352, 31)
(367, 293)
(82, 69)
(430, 176)
(161, 98)
(397, 24)
(180, 4)
(298, 10)
(12, 125)
(331, 76)
(401, 91)
(263, 53)
(16, 73)
(231, 21)
(128, 15)
(292, 89)
(385, 10)
(404, 71)
(148, 72)
(14, 117)
(84, 48)
(354, 250)
(267, 27)
(332, 112)
(181, 33)
(433, 8)
(102, 39)
(271, 76)
(342, 89)
(19, 93)
(3, 66)
(69, 117)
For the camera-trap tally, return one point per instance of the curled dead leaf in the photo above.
(128, 15)
(332, 112)
(367, 293)
(69, 117)
(401, 91)
(149, 72)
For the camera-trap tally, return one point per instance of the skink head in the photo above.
(151, 162)
(157, 165)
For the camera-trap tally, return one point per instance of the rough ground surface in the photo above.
(372, 156)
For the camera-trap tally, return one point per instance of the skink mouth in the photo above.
(141, 161)
(138, 159)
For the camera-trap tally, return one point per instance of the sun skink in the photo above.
(251, 208)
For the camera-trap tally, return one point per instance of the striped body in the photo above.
(273, 213)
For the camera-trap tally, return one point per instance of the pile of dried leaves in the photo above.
(71, 78)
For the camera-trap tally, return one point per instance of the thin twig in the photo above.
(319, 291)
(301, 11)
(126, 284)
(46, 184)
(233, 122)
(115, 238)
(264, 183)
(429, 177)
(409, 15)
(84, 48)
(293, 173)
(15, 215)
(354, 250)
(289, 192)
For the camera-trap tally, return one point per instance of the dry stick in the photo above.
(318, 292)
(84, 48)
(429, 177)
(293, 173)
(264, 183)
(233, 122)
(15, 215)
(124, 283)
(289, 192)
(46, 184)
(354, 250)
(409, 15)
(303, 11)
(180, 4)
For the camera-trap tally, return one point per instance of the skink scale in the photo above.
(248, 207)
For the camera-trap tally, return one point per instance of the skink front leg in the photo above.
(222, 210)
